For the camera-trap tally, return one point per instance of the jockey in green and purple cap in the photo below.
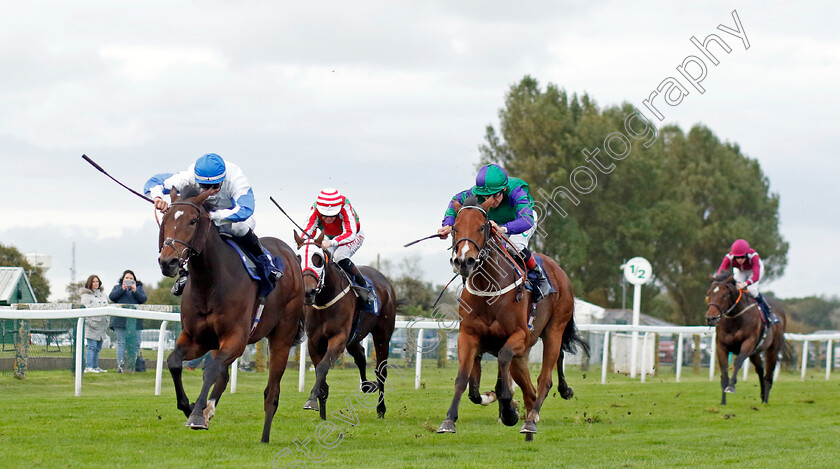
(512, 213)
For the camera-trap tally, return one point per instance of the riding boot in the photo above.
(769, 317)
(539, 283)
(358, 279)
(252, 243)
(180, 282)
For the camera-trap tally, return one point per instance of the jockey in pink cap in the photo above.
(746, 270)
(343, 235)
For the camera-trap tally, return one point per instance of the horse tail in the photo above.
(572, 339)
(301, 331)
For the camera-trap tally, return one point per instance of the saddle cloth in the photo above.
(258, 272)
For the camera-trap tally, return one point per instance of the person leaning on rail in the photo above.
(231, 204)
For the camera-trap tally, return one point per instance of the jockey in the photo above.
(231, 204)
(343, 235)
(746, 270)
(511, 213)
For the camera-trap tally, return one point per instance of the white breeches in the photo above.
(521, 240)
(345, 251)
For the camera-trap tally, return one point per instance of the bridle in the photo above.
(309, 270)
(483, 251)
(728, 311)
(189, 249)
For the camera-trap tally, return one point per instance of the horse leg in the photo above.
(723, 365)
(381, 343)
(521, 375)
(218, 388)
(771, 356)
(566, 391)
(759, 370)
(229, 349)
(475, 395)
(467, 350)
(279, 347)
(185, 349)
(747, 346)
(514, 347)
(321, 390)
(358, 353)
(317, 349)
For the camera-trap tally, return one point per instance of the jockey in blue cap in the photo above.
(230, 206)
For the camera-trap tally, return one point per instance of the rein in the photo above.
(726, 313)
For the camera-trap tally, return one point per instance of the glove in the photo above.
(327, 243)
(216, 217)
(741, 285)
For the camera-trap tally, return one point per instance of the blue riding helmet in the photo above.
(209, 169)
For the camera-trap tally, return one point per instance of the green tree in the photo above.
(11, 257)
(679, 202)
(161, 294)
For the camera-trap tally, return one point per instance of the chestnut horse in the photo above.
(332, 311)
(219, 307)
(739, 331)
(494, 319)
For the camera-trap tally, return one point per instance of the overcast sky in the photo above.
(385, 100)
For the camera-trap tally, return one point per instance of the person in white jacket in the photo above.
(93, 296)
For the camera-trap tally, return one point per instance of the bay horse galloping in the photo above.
(494, 319)
(742, 331)
(219, 307)
(335, 321)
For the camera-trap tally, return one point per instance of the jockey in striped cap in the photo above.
(512, 213)
(343, 235)
(230, 206)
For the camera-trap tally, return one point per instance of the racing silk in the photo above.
(516, 212)
(343, 230)
(753, 263)
(234, 203)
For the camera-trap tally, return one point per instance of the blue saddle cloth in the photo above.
(532, 278)
(367, 307)
(258, 271)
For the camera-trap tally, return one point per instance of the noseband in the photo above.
(189, 249)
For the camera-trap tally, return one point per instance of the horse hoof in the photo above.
(369, 387)
(509, 417)
(730, 389)
(529, 427)
(197, 422)
(448, 426)
(380, 415)
(567, 393)
(311, 404)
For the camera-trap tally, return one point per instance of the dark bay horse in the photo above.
(494, 319)
(219, 305)
(739, 331)
(331, 312)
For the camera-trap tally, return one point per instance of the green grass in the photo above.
(119, 422)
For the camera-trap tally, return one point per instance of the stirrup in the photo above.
(178, 287)
(274, 275)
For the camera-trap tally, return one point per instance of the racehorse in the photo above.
(335, 322)
(494, 319)
(219, 307)
(741, 330)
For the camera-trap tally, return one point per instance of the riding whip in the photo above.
(86, 158)
(290, 218)
(422, 239)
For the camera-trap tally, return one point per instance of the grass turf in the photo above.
(119, 422)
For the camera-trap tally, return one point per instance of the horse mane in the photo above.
(190, 191)
(471, 201)
(723, 277)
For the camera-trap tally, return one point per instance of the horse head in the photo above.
(470, 235)
(313, 262)
(183, 230)
(721, 297)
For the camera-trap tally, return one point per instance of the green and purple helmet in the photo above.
(491, 179)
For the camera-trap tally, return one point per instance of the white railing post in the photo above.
(804, 358)
(712, 356)
(745, 366)
(828, 347)
(234, 374)
(80, 348)
(644, 356)
(302, 365)
(679, 357)
(605, 359)
(419, 359)
(159, 362)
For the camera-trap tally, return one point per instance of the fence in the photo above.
(165, 314)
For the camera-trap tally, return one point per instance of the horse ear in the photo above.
(456, 205)
(298, 239)
(730, 279)
(711, 276)
(488, 204)
(200, 198)
(173, 194)
(319, 238)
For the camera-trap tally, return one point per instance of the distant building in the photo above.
(15, 287)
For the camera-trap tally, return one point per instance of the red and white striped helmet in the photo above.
(329, 202)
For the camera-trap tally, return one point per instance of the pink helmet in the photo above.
(739, 248)
(329, 202)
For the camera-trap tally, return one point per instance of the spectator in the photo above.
(128, 290)
(202, 360)
(93, 296)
